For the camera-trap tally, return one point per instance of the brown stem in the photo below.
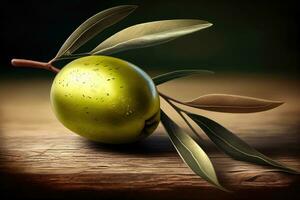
(179, 111)
(168, 97)
(69, 57)
(34, 64)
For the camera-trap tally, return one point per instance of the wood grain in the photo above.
(41, 158)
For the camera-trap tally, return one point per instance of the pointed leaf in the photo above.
(232, 103)
(94, 25)
(149, 34)
(233, 145)
(177, 74)
(190, 152)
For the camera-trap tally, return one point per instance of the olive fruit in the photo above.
(106, 99)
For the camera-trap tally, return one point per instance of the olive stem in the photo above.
(71, 56)
(179, 111)
(34, 64)
(170, 98)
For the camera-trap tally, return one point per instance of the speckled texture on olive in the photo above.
(105, 99)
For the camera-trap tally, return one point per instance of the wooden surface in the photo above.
(41, 158)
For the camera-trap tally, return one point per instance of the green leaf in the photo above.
(149, 34)
(233, 145)
(190, 152)
(232, 103)
(91, 27)
(177, 74)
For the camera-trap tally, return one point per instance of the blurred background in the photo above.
(247, 36)
(253, 47)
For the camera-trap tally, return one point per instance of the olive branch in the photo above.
(158, 32)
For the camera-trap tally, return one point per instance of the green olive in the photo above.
(106, 99)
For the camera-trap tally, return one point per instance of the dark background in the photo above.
(247, 36)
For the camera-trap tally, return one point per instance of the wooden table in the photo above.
(41, 158)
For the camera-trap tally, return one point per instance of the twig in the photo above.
(179, 111)
(72, 56)
(170, 98)
(34, 64)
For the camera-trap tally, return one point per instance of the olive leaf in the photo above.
(177, 74)
(232, 103)
(233, 145)
(149, 34)
(190, 152)
(92, 26)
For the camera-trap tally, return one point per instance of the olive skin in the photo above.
(106, 99)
